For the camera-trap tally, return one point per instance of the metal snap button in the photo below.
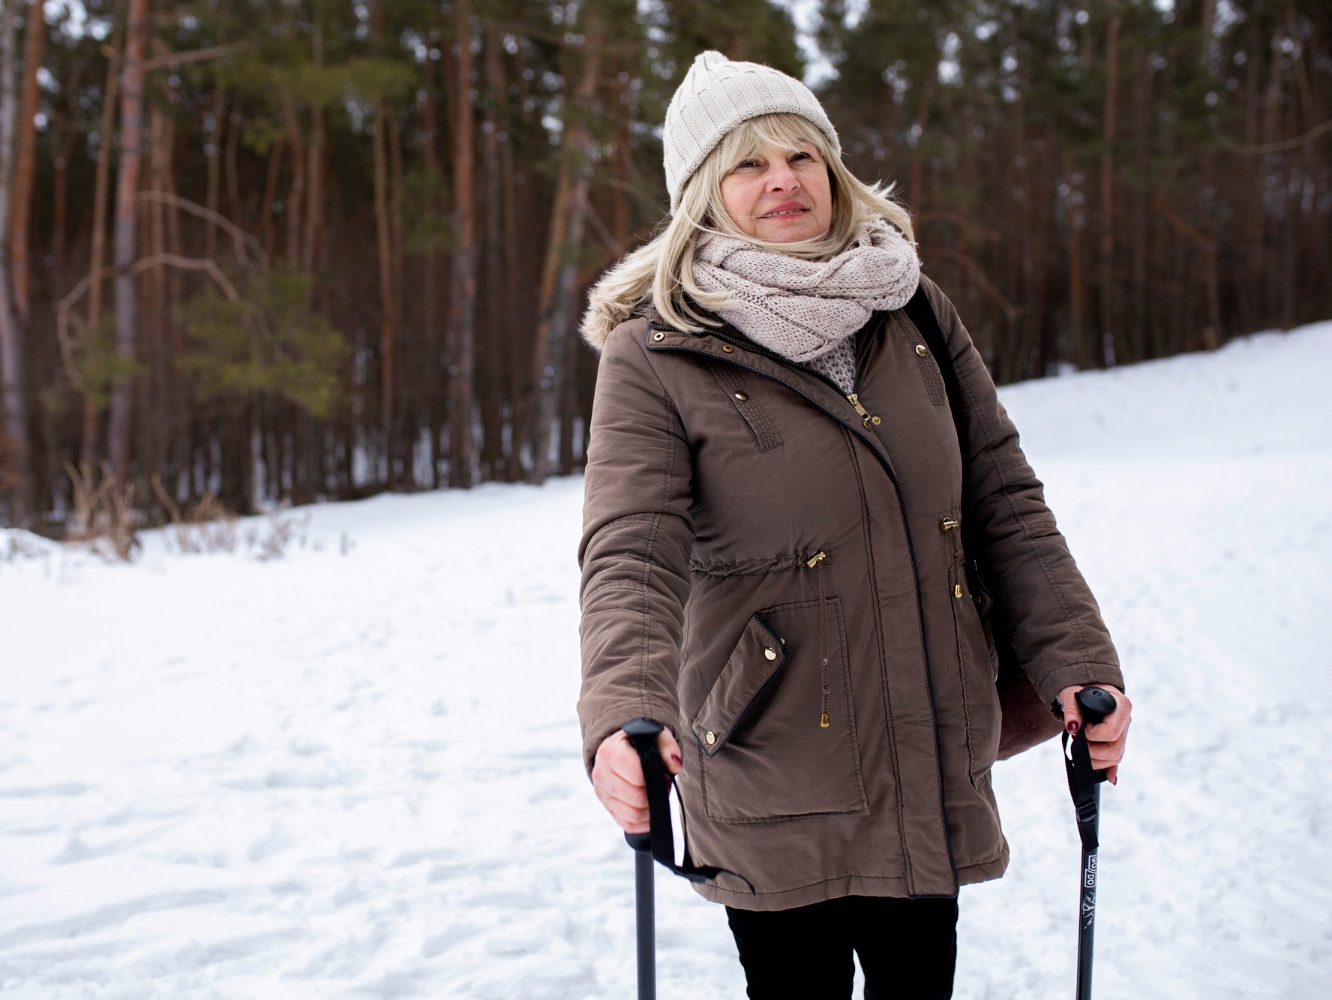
(770, 653)
(711, 737)
(741, 396)
(922, 350)
(728, 348)
(659, 336)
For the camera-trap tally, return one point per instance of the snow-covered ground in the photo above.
(354, 771)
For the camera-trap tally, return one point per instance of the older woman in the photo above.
(772, 555)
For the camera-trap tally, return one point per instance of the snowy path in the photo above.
(354, 771)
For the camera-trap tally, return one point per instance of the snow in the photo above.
(354, 771)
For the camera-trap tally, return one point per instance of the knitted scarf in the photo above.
(807, 310)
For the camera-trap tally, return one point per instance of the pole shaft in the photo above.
(647, 931)
(1087, 917)
(1086, 925)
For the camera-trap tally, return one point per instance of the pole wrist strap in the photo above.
(661, 836)
(1082, 781)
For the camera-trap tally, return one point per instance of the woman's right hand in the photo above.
(617, 778)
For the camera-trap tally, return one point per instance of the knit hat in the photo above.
(715, 96)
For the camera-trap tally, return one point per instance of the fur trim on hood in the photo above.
(605, 313)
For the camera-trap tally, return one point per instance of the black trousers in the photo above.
(907, 949)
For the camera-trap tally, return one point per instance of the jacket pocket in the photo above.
(976, 662)
(764, 754)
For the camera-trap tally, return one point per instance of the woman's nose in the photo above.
(781, 178)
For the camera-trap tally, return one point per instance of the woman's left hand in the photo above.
(1105, 739)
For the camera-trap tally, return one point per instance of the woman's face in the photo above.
(780, 196)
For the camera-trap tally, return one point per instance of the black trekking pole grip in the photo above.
(643, 736)
(1095, 704)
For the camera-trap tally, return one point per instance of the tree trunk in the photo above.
(101, 195)
(213, 188)
(1269, 166)
(1208, 24)
(405, 427)
(1140, 323)
(15, 451)
(131, 132)
(314, 209)
(561, 269)
(497, 290)
(1107, 291)
(1077, 318)
(462, 443)
(159, 287)
(313, 249)
(430, 318)
(523, 245)
(26, 158)
(388, 303)
(568, 403)
(517, 318)
(233, 128)
(60, 196)
(266, 228)
(296, 191)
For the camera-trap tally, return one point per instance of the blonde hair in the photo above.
(662, 270)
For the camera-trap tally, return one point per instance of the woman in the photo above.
(772, 560)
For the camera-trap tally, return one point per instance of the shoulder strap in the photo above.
(920, 313)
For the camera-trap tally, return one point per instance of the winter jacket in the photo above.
(775, 570)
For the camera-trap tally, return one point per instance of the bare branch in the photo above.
(173, 511)
(190, 264)
(191, 56)
(602, 230)
(66, 342)
(1011, 311)
(1276, 147)
(169, 259)
(958, 219)
(238, 235)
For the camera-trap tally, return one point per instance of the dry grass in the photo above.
(209, 527)
(104, 515)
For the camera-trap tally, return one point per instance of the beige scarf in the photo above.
(807, 310)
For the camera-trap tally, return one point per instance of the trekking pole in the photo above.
(657, 844)
(643, 736)
(1084, 785)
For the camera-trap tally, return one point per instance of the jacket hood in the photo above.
(605, 312)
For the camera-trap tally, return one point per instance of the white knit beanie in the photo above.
(715, 96)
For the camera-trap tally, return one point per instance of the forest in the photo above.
(256, 252)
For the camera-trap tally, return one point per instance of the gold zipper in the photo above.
(946, 525)
(816, 561)
(865, 417)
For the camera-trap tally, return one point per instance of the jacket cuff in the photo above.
(1077, 674)
(605, 724)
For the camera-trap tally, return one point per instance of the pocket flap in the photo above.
(754, 666)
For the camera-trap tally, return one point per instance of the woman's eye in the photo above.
(747, 164)
(801, 156)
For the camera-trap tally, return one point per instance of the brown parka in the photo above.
(774, 570)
